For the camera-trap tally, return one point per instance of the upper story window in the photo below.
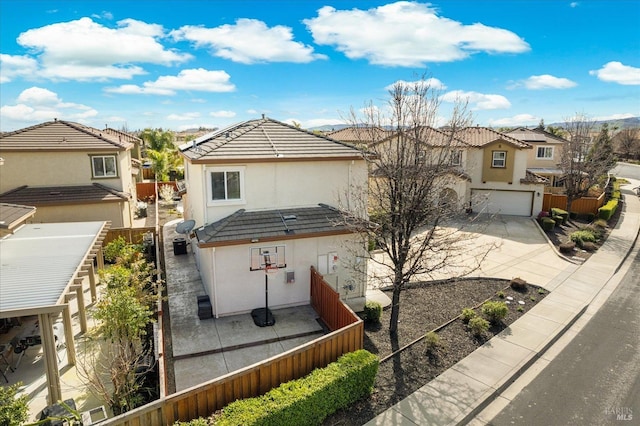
(456, 157)
(544, 153)
(104, 166)
(499, 159)
(226, 185)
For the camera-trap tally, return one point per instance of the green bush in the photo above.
(616, 195)
(312, 398)
(114, 249)
(582, 236)
(605, 212)
(372, 312)
(468, 314)
(601, 224)
(567, 247)
(478, 326)
(500, 294)
(14, 408)
(548, 224)
(589, 246)
(558, 219)
(195, 422)
(432, 341)
(494, 311)
(561, 213)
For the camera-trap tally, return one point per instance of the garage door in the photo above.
(515, 203)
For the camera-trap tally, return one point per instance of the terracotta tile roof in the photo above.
(531, 177)
(360, 135)
(122, 136)
(62, 135)
(243, 227)
(481, 136)
(265, 140)
(61, 195)
(535, 136)
(14, 214)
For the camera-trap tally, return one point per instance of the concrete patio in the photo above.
(205, 349)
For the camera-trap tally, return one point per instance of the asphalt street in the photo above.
(595, 380)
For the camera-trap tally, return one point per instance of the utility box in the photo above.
(205, 310)
(179, 246)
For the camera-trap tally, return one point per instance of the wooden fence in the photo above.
(257, 379)
(131, 235)
(147, 190)
(581, 205)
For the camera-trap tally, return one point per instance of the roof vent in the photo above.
(289, 217)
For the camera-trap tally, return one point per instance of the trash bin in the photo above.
(179, 246)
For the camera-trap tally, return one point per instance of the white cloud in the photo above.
(431, 83)
(98, 52)
(546, 81)
(12, 66)
(198, 79)
(617, 72)
(574, 4)
(249, 41)
(615, 117)
(222, 114)
(516, 120)
(184, 116)
(407, 34)
(104, 14)
(36, 104)
(477, 101)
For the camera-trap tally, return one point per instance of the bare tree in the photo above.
(584, 161)
(628, 142)
(413, 168)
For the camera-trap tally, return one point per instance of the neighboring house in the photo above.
(12, 216)
(70, 172)
(263, 192)
(500, 182)
(545, 159)
(136, 151)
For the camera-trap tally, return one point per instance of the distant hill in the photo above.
(623, 123)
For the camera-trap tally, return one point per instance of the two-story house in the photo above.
(499, 180)
(263, 193)
(545, 159)
(70, 172)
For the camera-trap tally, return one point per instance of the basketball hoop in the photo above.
(270, 270)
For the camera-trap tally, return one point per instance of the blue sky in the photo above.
(182, 64)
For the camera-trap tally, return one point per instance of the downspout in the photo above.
(349, 185)
(206, 194)
(215, 281)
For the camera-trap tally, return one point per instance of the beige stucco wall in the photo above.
(278, 185)
(116, 212)
(60, 168)
(532, 161)
(498, 174)
(235, 289)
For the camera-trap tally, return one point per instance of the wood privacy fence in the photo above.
(147, 190)
(257, 379)
(582, 205)
(131, 235)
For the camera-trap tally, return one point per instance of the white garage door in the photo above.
(515, 203)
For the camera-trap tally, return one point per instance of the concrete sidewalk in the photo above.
(462, 391)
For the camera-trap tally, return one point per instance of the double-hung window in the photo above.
(226, 185)
(499, 159)
(456, 157)
(104, 166)
(544, 153)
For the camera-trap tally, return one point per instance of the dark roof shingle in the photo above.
(13, 214)
(265, 140)
(243, 227)
(61, 195)
(62, 135)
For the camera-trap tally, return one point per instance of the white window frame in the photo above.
(226, 201)
(95, 175)
(456, 157)
(546, 149)
(495, 161)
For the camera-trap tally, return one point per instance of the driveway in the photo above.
(497, 247)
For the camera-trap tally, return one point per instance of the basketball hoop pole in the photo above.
(265, 319)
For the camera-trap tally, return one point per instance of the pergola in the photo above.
(43, 268)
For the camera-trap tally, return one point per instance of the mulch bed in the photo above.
(561, 234)
(424, 307)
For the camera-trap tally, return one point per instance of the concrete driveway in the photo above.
(497, 247)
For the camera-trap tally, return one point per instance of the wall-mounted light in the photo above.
(538, 194)
(1, 161)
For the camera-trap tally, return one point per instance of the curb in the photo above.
(553, 247)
